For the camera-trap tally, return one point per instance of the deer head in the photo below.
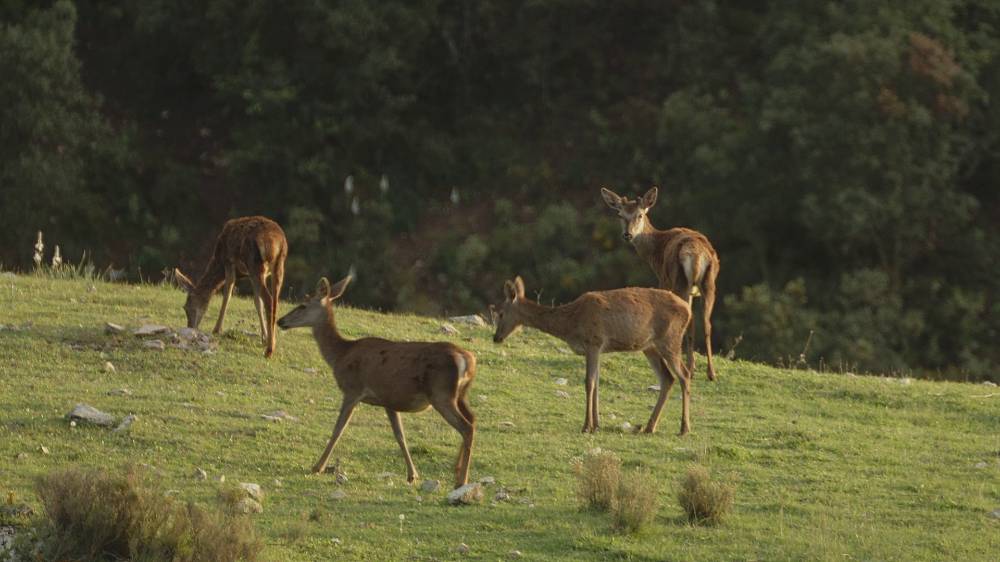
(506, 316)
(631, 212)
(196, 303)
(315, 310)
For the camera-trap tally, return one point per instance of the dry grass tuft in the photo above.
(91, 515)
(704, 501)
(598, 474)
(636, 502)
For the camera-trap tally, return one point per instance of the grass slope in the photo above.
(828, 467)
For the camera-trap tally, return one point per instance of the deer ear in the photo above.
(338, 290)
(183, 282)
(611, 198)
(509, 291)
(322, 288)
(649, 199)
(519, 287)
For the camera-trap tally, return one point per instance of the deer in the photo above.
(652, 321)
(398, 376)
(253, 247)
(683, 260)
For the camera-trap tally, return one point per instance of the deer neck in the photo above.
(332, 345)
(550, 319)
(213, 278)
(645, 243)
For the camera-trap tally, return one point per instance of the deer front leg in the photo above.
(227, 293)
(346, 410)
(590, 383)
(258, 303)
(397, 430)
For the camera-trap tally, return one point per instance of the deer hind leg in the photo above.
(708, 303)
(227, 293)
(277, 280)
(662, 371)
(590, 415)
(680, 372)
(449, 410)
(262, 301)
(397, 430)
(463, 407)
(346, 410)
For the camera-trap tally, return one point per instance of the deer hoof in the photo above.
(268, 352)
(319, 469)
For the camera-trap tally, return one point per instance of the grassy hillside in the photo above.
(827, 467)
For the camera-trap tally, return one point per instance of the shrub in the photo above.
(91, 515)
(635, 504)
(598, 474)
(704, 501)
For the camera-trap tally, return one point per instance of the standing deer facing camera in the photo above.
(398, 376)
(253, 247)
(683, 260)
(652, 321)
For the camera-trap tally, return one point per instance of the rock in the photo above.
(989, 383)
(562, 394)
(221, 478)
(154, 344)
(248, 505)
(386, 475)
(338, 495)
(514, 554)
(200, 474)
(653, 388)
(341, 478)
(310, 370)
(278, 416)
(626, 426)
(982, 465)
(487, 480)
(905, 381)
(43, 450)
(471, 319)
(150, 330)
(109, 367)
(507, 425)
(467, 495)
(111, 328)
(72, 423)
(89, 414)
(561, 381)
(447, 328)
(482, 398)
(429, 486)
(252, 490)
(462, 548)
(278, 483)
(996, 513)
(188, 333)
(336, 541)
(21, 456)
(502, 495)
(126, 423)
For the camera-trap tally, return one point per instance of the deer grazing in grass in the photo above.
(683, 260)
(253, 247)
(398, 376)
(652, 321)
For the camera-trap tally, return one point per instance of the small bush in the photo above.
(704, 501)
(599, 474)
(636, 502)
(90, 515)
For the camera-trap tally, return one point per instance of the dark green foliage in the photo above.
(92, 515)
(842, 157)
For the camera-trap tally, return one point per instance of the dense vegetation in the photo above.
(824, 466)
(841, 156)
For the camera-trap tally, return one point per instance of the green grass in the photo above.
(826, 467)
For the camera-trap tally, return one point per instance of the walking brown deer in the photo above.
(253, 247)
(652, 321)
(683, 260)
(398, 376)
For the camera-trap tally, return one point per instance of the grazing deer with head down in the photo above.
(253, 247)
(398, 376)
(652, 321)
(683, 260)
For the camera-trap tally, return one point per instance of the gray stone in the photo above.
(562, 394)
(626, 426)
(154, 344)
(341, 478)
(471, 319)
(126, 423)
(514, 554)
(430, 486)
(90, 414)
(995, 513)
(111, 328)
(487, 480)
(248, 505)
(109, 367)
(120, 392)
(982, 465)
(21, 456)
(466, 495)
(561, 381)
(462, 548)
(310, 370)
(989, 383)
(200, 474)
(502, 495)
(447, 328)
(278, 416)
(150, 330)
(653, 388)
(507, 425)
(44, 450)
(338, 495)
(252, 490)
